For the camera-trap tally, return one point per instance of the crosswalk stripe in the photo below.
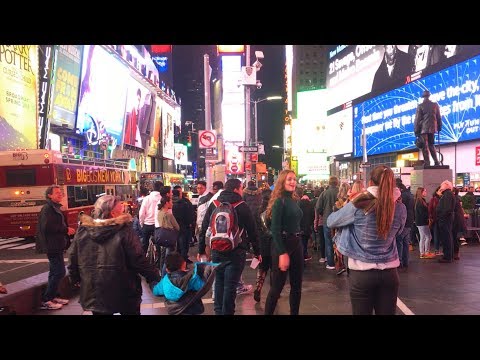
(22, 247)
(11, 240)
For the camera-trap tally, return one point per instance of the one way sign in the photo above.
(248, 148)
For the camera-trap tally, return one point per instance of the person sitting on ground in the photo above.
(181, 287)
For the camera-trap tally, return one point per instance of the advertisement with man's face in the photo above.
(103, 92)
(168, 122)
(389, 118)
(356, 70)
(138, 114)
(18, 96)
(155, 138)
(65, 84)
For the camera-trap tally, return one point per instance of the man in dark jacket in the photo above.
(324, 207)
(253, 197)
(445, 217)
(52, 240)
(404, 238)
(228, 277)
(183, 212)
(307, 220)
(427, 122)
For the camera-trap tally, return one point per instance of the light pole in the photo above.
(255, 102)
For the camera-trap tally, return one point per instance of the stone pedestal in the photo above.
(429, 178)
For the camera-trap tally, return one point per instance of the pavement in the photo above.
(426, 288)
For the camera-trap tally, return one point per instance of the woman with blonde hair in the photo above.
(369, 225)
(287, 247)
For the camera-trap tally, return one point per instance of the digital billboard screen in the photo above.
(339, 127)
(389, 118)
(66, 80)
(357, 70)
(18, 96)
(103, 92)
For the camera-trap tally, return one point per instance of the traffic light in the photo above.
(189, 140)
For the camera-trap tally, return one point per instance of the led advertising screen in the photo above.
(65, 84)
(389, 118)
(137, 114)
(233, 100)
(339, 127)
(311, 118)
(18, 96)
(155, 138)
(168, 123)
(356, 70)
(181, 157)
(103, 92)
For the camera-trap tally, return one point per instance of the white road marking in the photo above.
(404, 308)
(22, 247)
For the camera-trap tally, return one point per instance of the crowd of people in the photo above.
(365, 233)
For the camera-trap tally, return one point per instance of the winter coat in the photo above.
(253, 197)
(107, 260)
(308, 215)
(178, 287)
(183, 212)
(52, 230)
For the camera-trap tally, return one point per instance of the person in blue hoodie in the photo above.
(183, 289)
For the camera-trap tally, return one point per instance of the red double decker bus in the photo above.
(26, 174)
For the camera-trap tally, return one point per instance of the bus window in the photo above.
(20, 177)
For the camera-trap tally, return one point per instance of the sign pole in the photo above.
(208, 115)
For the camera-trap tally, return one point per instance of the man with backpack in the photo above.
(228, 217)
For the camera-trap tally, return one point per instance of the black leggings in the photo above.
(295, 272)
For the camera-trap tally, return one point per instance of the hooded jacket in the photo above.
(245, 221)
(106, 258)
(52, 229)
(253, 197)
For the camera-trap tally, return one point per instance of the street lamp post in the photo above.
(255, 102)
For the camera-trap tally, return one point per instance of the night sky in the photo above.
(189, 59)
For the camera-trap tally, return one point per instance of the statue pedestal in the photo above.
(429, 178)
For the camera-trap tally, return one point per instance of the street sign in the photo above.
(248, 148)
(207, 139)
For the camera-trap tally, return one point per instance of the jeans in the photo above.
(319, 241)
(278, 277)
(56, 274)
(328, 245)
(403, 240)
(374, 290)
(183, 242)
(148, 231)
(227, 278)
(436, 238)
(425, 238)
(305, 239)
(446, 239)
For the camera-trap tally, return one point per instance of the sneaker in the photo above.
(322, 260)
(438, 253)
(306, 258)
(50, 305)
(341, 271)
(60, 301)
(245, 289)
(463, 243)
(330, 267)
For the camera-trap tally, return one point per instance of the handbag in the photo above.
(166, 237)
(151, 254)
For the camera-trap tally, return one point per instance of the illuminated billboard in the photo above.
(339, 127)
(170, 116)
(230, 49)
(389, 118)
(18, 96)
(138, 114)
(103, 92)
(65, 84)
(181, 154)
(233, 100)
(311, 119)
(356, 70)
(234, 160)
(155, 138)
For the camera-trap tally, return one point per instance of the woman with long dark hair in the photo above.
(287, 247)
(369, 225)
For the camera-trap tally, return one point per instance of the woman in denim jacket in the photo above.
(369, 225)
